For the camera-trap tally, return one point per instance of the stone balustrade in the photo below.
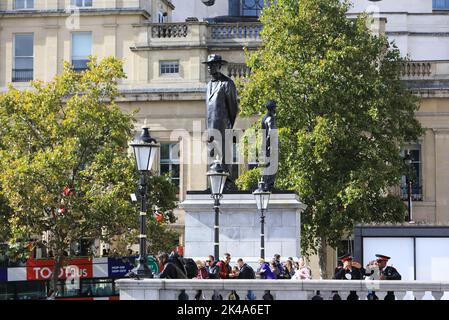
(169, 30)
(417, 69)
(225, 31)
(170, 289)
(196, 34)
(238, 70)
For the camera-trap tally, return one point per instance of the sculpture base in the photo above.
(240, 226)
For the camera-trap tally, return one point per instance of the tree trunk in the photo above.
(322, 256)
(56, 271)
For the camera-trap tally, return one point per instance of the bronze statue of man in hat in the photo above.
(222, 108)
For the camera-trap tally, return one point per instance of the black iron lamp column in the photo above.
(145, 149)
(262, 199)
(408, 163)
(217, 175)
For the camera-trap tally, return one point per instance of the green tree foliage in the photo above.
(64, 161)
(344, 112)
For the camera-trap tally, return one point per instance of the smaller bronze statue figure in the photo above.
(269, 124)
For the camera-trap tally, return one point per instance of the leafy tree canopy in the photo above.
(64, 161)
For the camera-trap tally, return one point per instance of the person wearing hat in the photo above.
(387, 273)
(222, 108)
(351, 270)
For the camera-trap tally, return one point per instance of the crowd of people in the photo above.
(176, 267)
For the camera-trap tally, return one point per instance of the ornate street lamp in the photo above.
(217, 175)
(408, 163)
(145, 148)
(262, 200)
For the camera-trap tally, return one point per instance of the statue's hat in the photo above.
(215, 58)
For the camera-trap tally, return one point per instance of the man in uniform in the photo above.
(387, 273)
(222, 108)
(351, 270)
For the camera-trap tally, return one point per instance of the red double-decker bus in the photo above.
(82, 278)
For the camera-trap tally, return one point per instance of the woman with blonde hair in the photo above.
(202, 271)
(303, 272)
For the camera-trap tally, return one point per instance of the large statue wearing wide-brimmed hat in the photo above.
(222, 106)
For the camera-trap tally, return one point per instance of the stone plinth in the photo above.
(240, 226)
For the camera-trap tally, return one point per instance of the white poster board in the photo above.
(432, 259)
(399, 249)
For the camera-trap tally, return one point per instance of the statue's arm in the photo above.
(232, 103)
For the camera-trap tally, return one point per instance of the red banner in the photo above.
(74, 268)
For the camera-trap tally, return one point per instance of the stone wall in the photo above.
(240, 226)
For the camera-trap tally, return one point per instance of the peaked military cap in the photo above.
(382, 257)
(345, 257)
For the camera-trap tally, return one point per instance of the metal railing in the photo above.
(164, 289)
(416, 193)
(80, 65)
(22, 75)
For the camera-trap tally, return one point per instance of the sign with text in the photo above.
(73, 268)
(119, 267)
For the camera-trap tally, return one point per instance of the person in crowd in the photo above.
(274, 268)
(202, 271)
(245, 271)
(171, 268)
(386, 272)
(339, 266)
(351, 270)
(225, 271)
(278, 264)
(383, 272)
(304, 271)
(264, 270)
(212, 268)
(289, 269)
(235, 272)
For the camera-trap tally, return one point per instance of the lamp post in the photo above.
(217, 175)
(408, 180)
(262, 199)
(145, 148)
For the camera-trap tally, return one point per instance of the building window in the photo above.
(169, 67)
(252, 8)
(414, 176)
(170, 166)
(24, 4)
(81, 50)
(23, 58)
(82, 3)
(440, 4)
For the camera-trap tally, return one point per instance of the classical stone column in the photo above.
(442, 174)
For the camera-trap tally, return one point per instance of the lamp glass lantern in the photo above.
(145, 149)
(262, 197)
(217, 176)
